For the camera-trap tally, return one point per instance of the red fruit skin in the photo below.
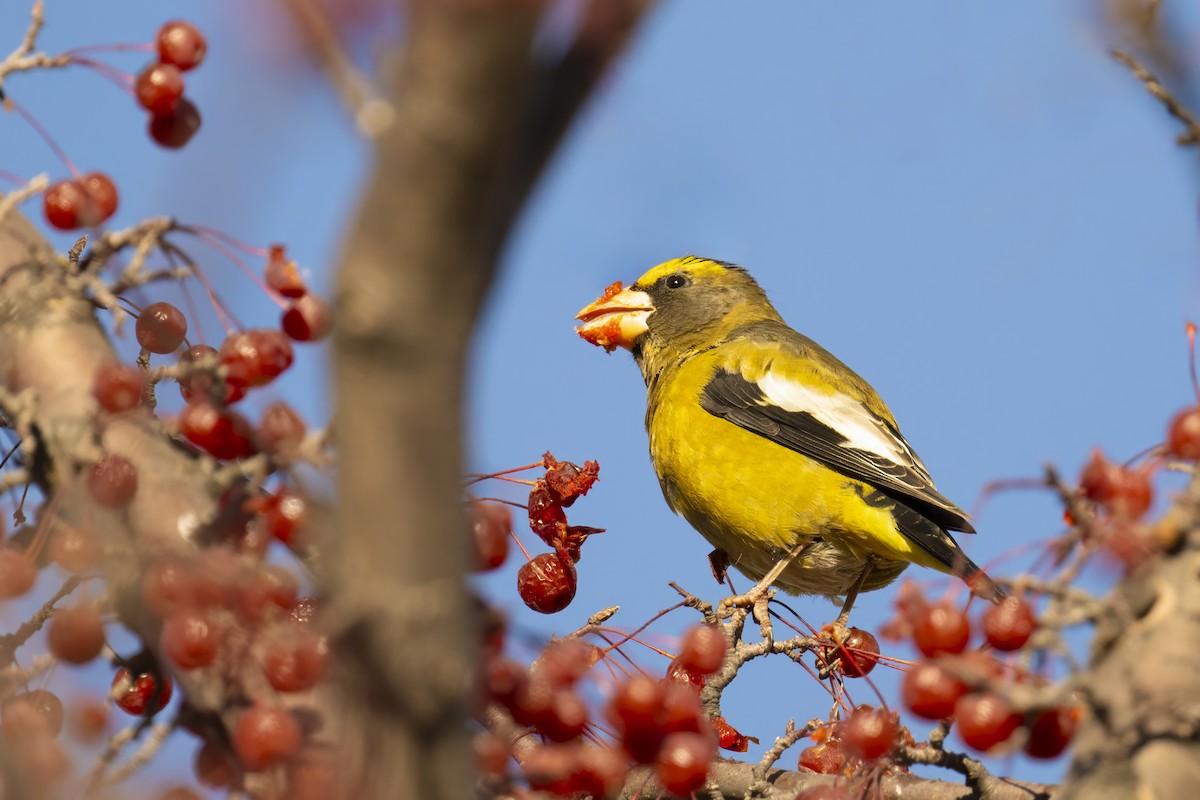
(295, 665)
(857, 654)
(546, 516)
(1050, 732)
(180, 43)
(17, 573)
(255, 357)
(930, 692)
(76, 634)
(64, 204)
(1008, 625)
(133, 694)
(307, 319)
(492, 526)
(113, 481)
(118, 388)
(984, 720)
(103, 198)
(703, 649)
(683, 761)
(222, 433)
(158, 88)
(265, 736)
(175, 129)
(678, 672)
(1183, 435)
(728, 737)
(868, 733)
(826, 758)
(190, 639)
(161, 328)
(941, 628)
(547, 583)
(281, 430)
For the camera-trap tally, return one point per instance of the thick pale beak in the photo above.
(616, 319)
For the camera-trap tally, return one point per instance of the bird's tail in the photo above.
(977, 580)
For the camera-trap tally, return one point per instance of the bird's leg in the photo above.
(838, 628)
(753, 598)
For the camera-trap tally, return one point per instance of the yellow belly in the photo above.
(756, 500)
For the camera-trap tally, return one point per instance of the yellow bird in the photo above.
(767, 444)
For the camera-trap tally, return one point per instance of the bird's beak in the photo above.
(616, 319)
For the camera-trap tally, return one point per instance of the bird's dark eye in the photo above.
(676, 280)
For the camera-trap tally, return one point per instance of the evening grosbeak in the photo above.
(766, 443)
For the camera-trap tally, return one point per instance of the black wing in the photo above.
(744, 403)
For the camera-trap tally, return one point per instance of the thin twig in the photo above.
(1155, 87)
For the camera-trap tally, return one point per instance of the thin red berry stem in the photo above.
(629, 636)
(123, 80)
(193, 313)
(203, 231)
(98, 48)
(215, 243)
(524, 552)
(224, 315)
(476, 477)
(46, 137)
(636, 640)
(12, 177)
(1191, 337)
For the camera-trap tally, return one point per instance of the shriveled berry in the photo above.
(161, 328)
(546, 516)
(176, 128)
(825, 758)
(679, 672)
(265, 736)
(158, 88)
(118, 387)
(869, 733)
(930, 691)
(76, 634)
(113, 481)
(1009, 624)
(180, 43)
(984, 720)
(941, 628)
(729, 738)
(307, 319)
(282, 274)
(703, 648)
(547, 583)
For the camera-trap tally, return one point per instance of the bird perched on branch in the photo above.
(769, 445)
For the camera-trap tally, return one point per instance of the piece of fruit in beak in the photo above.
(616, 319)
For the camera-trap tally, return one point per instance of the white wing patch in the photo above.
(850, 418)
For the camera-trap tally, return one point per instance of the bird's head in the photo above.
(681, 304)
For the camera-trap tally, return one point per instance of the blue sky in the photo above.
(971, 205)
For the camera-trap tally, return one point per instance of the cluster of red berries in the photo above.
(953, 682)
(82, 202)
(1123, 495)
(658, 722)
(159, 87)
(212, 380)
(546, 582)
(866, 735)
(307, 318)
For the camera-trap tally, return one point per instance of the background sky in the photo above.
(971, 205)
